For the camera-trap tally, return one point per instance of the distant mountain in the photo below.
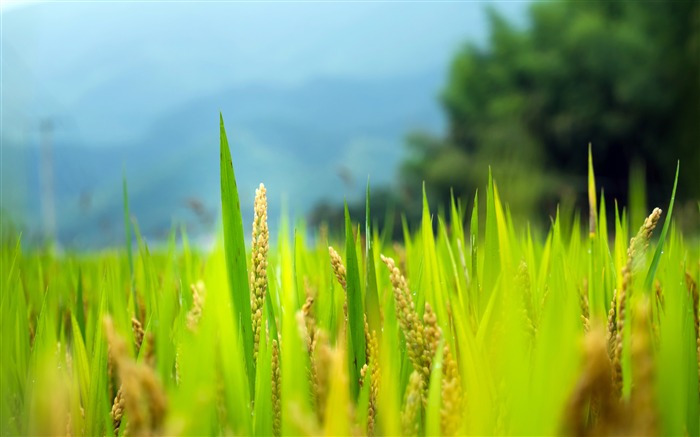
(316, 98)
(297, 140)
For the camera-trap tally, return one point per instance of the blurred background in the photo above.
(320, 97)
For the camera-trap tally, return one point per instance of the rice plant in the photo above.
(475, 328)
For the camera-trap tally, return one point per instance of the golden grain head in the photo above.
(432, 335)
(413, 399)
(338, 267)
(452, 403)
(409, 322)
(198, 296)
(276, 390)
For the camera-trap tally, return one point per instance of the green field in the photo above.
(466, 326)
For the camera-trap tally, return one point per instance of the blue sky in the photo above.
(149, 78)
(66, 52)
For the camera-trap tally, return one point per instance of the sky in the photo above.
(62, 55)
(309, 89)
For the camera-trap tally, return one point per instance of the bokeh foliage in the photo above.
(622, 76)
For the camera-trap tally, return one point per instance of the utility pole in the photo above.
(48, 206)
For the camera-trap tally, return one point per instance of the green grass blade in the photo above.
(97, 407)
(80, 360)
(492, 259)
(270, 317)
(431, 281)
(371, 293)
(474, 243)
(355, 309)
(660, 246)
(234, 245)
(127, 235)
(80, 311)
(592, 200)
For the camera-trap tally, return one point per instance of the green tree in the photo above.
(623, 76)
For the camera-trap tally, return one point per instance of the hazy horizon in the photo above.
(116, 77)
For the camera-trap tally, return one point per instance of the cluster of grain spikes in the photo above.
(338, 267)
(258, 290)
(452, 402)
(593, 408)
(422, 342)
(141, 395)
(307, 321)
(616, 319)
(523, 280)
(410, 323)
(112, 359)
(585, 308)
(341, 275)
(199, 292)
(371, 344)
(258, 274)
(320, 355)
(375, 378)
(276, 390)
(372, 354)
(410, 414)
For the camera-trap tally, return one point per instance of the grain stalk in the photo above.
(452, 400)
(592, 408)
(143, 398)
(276, 390)
(523, 280)
(410, 323)
(321, 358)
(374, 383)
(412, 404)
(258, 274)
(637, 247)
(309, 321)
(338, 267)
(585, 309)
(341, 275)
(199, 292)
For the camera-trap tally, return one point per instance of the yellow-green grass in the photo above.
(459, 331)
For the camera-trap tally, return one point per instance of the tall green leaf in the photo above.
(492, 259)
(234, 245)
(371, 293)
(356, 324)
(79, 310)
(592, 201)
(432, 414)
(127, 234)
(660, 246)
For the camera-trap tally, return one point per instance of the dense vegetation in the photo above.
(621, 76)
(470, 330)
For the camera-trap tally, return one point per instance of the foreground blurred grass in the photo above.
(475, 330)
